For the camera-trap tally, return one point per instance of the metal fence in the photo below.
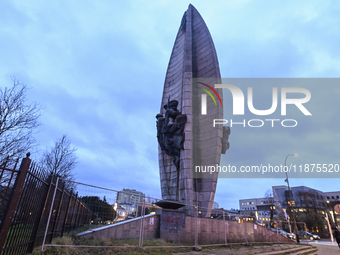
(35, 207)
(129, 214)
(26, 194)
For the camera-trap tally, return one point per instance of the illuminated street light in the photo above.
(291, 202)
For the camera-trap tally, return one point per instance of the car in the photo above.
(286, 234)
(282, 232)
(308, 235)
(291, 236)
(272, 229)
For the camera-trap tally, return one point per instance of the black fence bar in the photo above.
(24, 196)
(73, 214)
(67, 213)
(6, 223)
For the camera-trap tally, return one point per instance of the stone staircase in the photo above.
(295, 251)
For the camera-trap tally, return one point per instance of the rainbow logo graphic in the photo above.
(204, 97)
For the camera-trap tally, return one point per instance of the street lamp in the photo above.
(290, 197)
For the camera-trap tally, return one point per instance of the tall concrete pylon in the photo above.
(193, 56)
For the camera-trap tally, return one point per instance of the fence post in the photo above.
(141, 229)
(49, 215)
(13, 200)
(196, 228)
(39, 218)
(245, 231)
(73, 212)
(3, 171)
(56, 223)
(225, 233)
(67, 212)
(78, 214)
(304, 224)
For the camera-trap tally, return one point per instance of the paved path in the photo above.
(246, 250)
(327, 248)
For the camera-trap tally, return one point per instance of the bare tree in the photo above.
(18, 121)
(61, 159)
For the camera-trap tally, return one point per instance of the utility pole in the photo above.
(291, 202)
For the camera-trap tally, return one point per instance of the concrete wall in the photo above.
(212, 231)
(174, 226)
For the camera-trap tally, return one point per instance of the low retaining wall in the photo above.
(175, 226)
(126, 229)
(211, 231)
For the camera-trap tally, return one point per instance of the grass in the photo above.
(69, 240)
(18, 233)
(72, 239)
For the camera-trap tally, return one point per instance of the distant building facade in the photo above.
(303, 201)
(127, 202)
(259, 208)
(130, 196)
(231, 214)
(303, 197)
(333, 204)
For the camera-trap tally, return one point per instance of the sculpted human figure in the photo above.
(170, 130)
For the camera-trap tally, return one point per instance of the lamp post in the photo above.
(329, 223)
(290, 198)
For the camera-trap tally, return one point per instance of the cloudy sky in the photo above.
(97, 68)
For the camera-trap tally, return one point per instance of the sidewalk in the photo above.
(324, 249)
(256, 249)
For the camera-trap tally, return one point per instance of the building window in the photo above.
(332, 197)
(327, 197)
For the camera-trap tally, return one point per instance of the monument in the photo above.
(185, 131)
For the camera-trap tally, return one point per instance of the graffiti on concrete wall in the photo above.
(173, 221)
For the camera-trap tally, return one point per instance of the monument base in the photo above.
(172, 225)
